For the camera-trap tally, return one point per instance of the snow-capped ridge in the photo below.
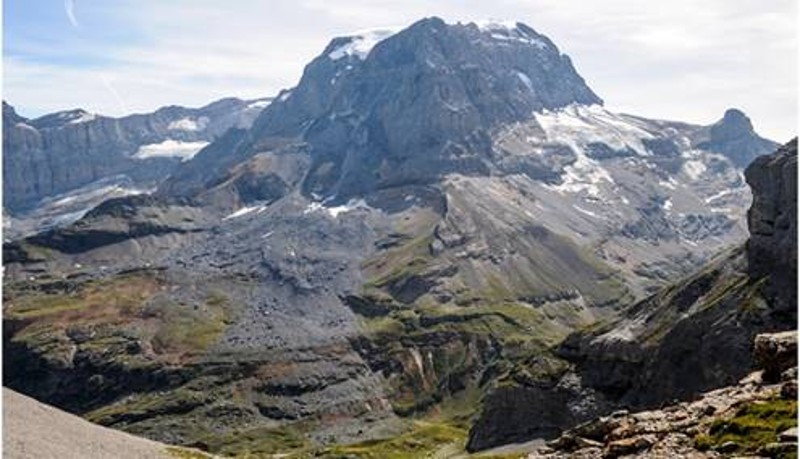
(361, 43)
(82, 116)
(189, 124)
(490, 25)
(507, 30)
(259, 104)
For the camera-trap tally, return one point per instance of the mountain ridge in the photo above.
(377, 245)
(81, 158)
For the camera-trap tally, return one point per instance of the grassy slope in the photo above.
(752, 427)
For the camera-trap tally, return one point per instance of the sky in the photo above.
(680, 59)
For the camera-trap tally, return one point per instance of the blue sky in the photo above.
(683, 60)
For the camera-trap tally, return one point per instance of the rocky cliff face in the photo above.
(692, 336)
(53, 161)
(417, 223)
(756, 415)
(772, 219)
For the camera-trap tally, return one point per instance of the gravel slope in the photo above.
(35, 430)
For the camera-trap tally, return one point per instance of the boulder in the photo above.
(628, 446)
(775, 353)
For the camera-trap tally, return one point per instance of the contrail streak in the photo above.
(69, 7)
(107, 83)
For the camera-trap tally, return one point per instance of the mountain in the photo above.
(61, 164)
(414, 227)
(417, 106)
(734, 137)
(692, 336)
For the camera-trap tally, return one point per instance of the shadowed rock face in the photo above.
(772, 247)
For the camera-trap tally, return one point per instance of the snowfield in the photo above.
(361, 43)
(170, 148)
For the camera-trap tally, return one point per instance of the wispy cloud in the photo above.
(680, 59)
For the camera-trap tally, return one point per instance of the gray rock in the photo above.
(628, 446)
(789, 435)
(734, 137)
(775, 353)
(728, 447)
(778, 449)
(772, 219)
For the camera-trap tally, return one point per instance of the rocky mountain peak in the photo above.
(377, 109)
(734, 124)
(63, 118)
(10, 115)
(734, 137)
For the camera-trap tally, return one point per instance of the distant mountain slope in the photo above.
(49, 160)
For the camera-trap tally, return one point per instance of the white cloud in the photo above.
(681, 59)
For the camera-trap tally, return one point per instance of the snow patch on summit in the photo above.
(508, 31)
(188, 124)
(489, 25)
(259, 104)
(84, 117)
(361, 43)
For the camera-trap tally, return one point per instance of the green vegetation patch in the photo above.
(424, 440)
(143, 406)
(105, 316)
(101, 300)
(258, 442)
(186, 329)
(184, 453)
(439, 351)
(400, 263)
(754, 426)
(512, 323)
